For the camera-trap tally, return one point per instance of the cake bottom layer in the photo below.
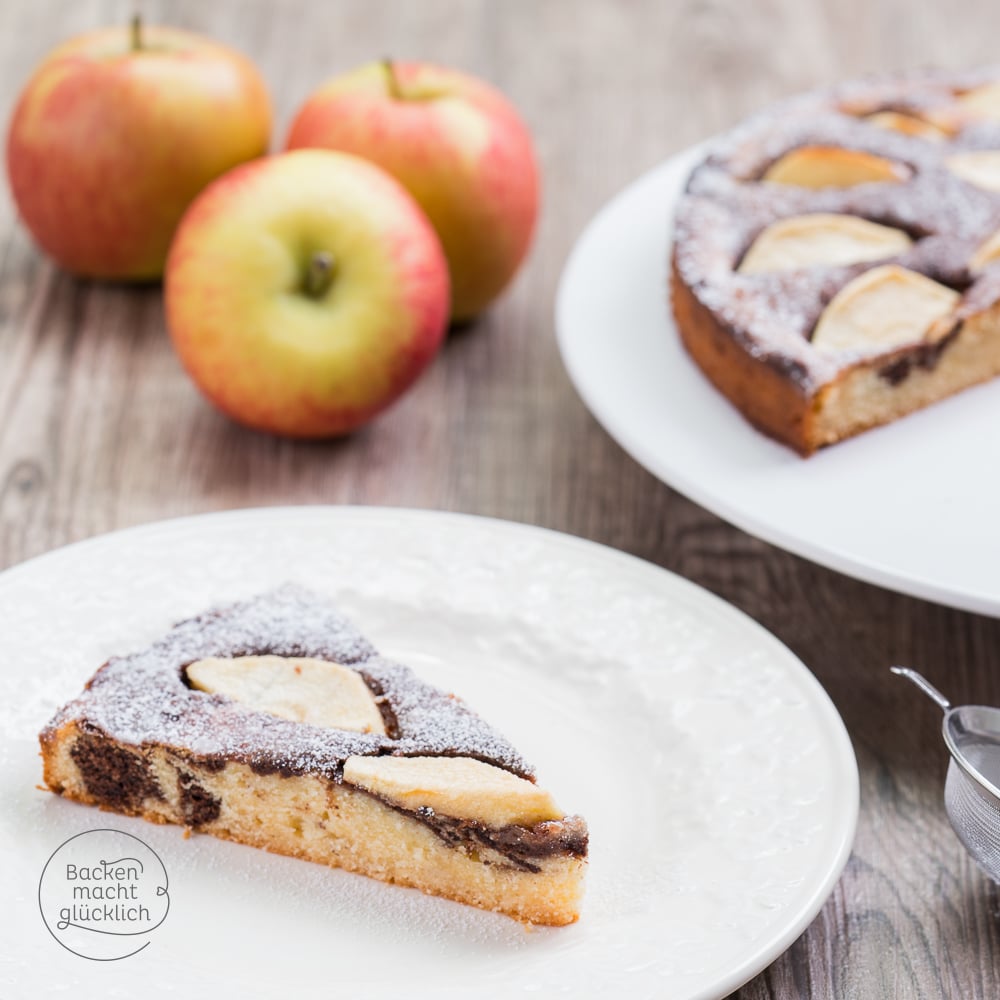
(867, 395)
(884, 390)
(309, 817)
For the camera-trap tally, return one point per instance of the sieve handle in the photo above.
(924, 685)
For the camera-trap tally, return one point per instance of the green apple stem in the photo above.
(319, 274)
(135, 32)
(395, 91)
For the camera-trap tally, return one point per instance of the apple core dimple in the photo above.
(319, 274)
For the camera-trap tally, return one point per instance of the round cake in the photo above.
(836, 258)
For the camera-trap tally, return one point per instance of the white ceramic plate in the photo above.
(911, 506)
(718, 781)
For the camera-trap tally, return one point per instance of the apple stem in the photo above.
(135, 32)
(390, 72)
(319, 275)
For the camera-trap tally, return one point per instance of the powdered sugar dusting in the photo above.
(726, 206)
(143, 698)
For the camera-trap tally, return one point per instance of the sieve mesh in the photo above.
(975, 816)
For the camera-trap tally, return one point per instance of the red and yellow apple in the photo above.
(306, 292)
(115, 134)
(456, 144)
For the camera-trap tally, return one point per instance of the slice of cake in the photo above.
(275, 723)
(836, 258)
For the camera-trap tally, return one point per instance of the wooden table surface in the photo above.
(100, 428)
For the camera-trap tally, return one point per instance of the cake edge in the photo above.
(320, 822)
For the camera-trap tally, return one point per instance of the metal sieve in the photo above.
(972, 788)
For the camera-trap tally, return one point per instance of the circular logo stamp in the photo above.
(102, 893)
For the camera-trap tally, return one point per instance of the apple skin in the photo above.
(457, 145)
(108, 145)
(260, 346)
